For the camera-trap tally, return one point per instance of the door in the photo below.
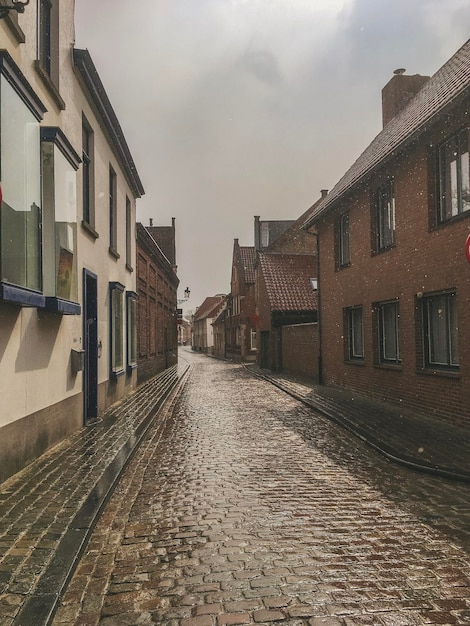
(90, 344)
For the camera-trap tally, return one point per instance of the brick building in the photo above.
(240, 323)
(287, 313)
(157, 286)
(394, 280)
(203, 332)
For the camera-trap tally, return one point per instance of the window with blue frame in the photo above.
(116, 296)
(20, 173)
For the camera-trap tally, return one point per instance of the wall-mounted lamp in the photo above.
(187, 293)
(16, 5)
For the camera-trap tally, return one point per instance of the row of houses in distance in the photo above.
(370, 288)
(84, 300)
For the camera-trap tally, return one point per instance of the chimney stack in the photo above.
(151, 222)
(398, 92)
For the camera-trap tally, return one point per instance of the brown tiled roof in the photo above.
(287, 278)
(444, 87)
(209, 307)
(248, 256)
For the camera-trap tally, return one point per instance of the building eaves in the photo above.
(208, 308)
(151, 247)
(84, 65)
(443, 89)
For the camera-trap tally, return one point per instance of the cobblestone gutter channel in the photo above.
(48, 511)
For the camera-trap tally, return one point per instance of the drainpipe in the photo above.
(320, 350)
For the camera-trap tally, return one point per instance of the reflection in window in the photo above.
(117, 328)
(454, 176)
(441, 330)
(385, 217)
(131, 302)
(389, 332)
(20, 216)
(88, 174)
(355, 333)
(60, 219)
(113, 211)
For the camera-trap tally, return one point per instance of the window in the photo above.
(20, 169)
(385, 208)
(47, 64)
(88, 193)
(117, 328)
(454, 176)
(440, 330)
(389, 345)
(131, 306)
(59, 192)
(129, 231)
(354, 333)
(343, 257)
(113, 212)
(253, 339)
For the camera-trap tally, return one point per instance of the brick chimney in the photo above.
(399, 90)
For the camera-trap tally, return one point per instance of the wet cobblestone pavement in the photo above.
(243, 506)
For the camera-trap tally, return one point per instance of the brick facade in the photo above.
(157, 324)
(425, 259)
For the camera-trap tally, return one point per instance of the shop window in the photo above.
(59, 191)
(454, 176)
(20, 213)
(117, 328)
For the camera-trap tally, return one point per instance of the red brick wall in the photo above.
(157, 332)
(424, 260)
(300, 350)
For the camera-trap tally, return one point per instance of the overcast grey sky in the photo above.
(237, 108)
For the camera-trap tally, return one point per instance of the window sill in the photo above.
(454, 374)
(114, 253)
(12, 23)
(50, 85)
(88, 228)
(131, 368)
(357, 361)
(21, 296)
(396, 367)
(129, 268)
(451, 220)
(63, 307)
(118, 373)
(383, 250)
(342, 267)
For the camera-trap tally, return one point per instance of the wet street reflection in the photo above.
(243, 506)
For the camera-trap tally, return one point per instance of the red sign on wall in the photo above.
(467, 248)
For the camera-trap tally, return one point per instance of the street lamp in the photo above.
(17, 5)
(187, 293)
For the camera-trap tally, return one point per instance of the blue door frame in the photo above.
(90, 344)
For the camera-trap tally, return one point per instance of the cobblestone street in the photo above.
(243, 506)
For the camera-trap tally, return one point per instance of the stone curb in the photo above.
(41, 605)
(377, 444)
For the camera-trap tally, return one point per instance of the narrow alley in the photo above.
(243, 506)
